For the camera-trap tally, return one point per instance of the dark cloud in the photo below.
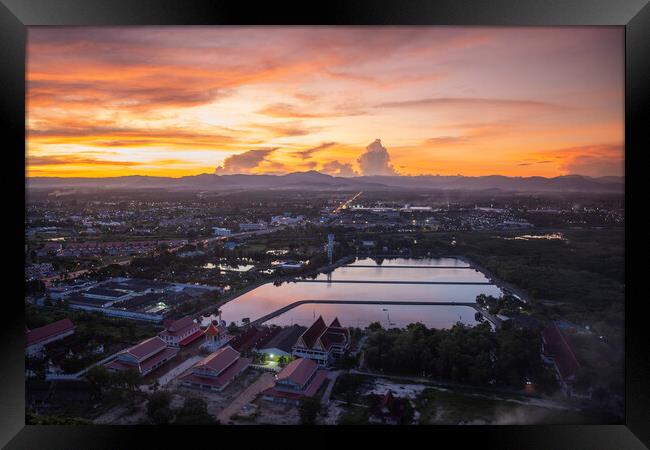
(244, 162)
(339, 169)
(376, 160)
(72, 160)
(305, 154)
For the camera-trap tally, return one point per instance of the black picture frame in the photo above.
(16, 15)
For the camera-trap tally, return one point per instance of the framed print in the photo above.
(364, 218)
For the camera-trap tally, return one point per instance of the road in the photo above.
(346, 203)
(265, 381)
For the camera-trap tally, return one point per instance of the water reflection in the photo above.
(268, 298)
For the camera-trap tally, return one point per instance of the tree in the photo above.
(375, 326)
(194, 412)
(158, 408)
(309, 409)
(99, 378)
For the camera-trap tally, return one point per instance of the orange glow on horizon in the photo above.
(177, 101)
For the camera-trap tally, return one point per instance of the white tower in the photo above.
(330, 247)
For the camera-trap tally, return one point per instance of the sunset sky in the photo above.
(174, 101)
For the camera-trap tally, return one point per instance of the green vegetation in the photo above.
(91, 326)
(437, 407)
(51, 419)
(309, 409)
(193, 412)
(462, 354)
(354, 415)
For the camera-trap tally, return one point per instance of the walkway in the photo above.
(265, 381)
(333, 375)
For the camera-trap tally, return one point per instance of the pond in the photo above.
(268, 297)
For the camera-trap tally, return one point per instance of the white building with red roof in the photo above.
(38, 337)
(216, 336)
(143, 358)
(322, 343)
(216, 371)
(300, 378)
(181, 332)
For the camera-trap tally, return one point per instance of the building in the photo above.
(38, 337)
(252, 337)
(390, 410)
(216, 231)
(556, 350)
(181, 332)
(322, 343)
(300, 378)
(144, 357)
(216, 371)
(252, 226)
(281, 344)
(216, 337)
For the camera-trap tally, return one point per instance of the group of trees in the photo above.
(506, 304)
(462, 354)
(105, 384)
(193, 412)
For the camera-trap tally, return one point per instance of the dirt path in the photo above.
(263, 382)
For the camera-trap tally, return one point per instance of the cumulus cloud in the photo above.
(244, 162)
(339, 169)
(376, 160)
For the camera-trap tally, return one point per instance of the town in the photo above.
(330, 307)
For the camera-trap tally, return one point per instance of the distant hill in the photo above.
(313, 180)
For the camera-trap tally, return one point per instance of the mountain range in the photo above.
(314, 180)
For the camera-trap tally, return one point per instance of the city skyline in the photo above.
(177, 101)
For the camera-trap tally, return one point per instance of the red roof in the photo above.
(148, 347)
(180, 326)
(224, 377)
(328, 336)
(191, 338)
(48, 331)
(146, 365)
(312, 334)
(309, 391)
(212, 330)
(298, 371)
(557, 347)
(251, 337)
(219, 360)
(336, 323)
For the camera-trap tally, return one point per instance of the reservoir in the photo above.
(268, 297)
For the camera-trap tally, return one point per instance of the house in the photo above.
(144, 357)
(252, 337)
(244, 227)
(181, 332)
(322, 343)
(281, 344)
(216, 231)
(230, 245)
(390, 410)
(216, 371)
(38, 337)
(557, 351)
(300, 378)
(216, 336)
